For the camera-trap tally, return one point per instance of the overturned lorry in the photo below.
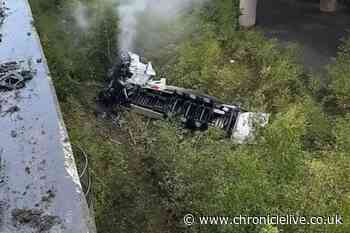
(133, 85)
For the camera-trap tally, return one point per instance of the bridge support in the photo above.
(328, 5)
(248, 13)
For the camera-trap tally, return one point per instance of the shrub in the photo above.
(340, 77)
(246, 69)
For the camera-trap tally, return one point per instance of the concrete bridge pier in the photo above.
(248, 12)
(328, 5)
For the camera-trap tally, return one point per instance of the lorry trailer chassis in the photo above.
(132, 85)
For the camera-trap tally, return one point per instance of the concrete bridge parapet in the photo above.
(40, 190)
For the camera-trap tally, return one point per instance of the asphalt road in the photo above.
(300, 21)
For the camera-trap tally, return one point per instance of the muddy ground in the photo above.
(318, 34)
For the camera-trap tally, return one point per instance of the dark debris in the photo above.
(13, 133)
(10, 110)
(14, 75)
(2, 13)
(49, 196)
(35, 218)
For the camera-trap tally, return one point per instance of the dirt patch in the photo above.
(34, 218)
(297, 21)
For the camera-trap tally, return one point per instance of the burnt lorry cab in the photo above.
(133, 85)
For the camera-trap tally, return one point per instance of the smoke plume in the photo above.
(161, 11)
(80, 15)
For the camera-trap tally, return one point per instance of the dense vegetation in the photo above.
(148, 175)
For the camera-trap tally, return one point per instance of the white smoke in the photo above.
(81, 16)
(129, 12)
(132, 15)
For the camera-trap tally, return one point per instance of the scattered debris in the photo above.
(13, 133)
(50, 195)
(2, 16)
(11, 110)
(3, 178)
(2, 13)
(14, 75)
(35, 218)
(27, 170)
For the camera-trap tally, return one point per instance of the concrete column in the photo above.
(248, 13)
(328, 5)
